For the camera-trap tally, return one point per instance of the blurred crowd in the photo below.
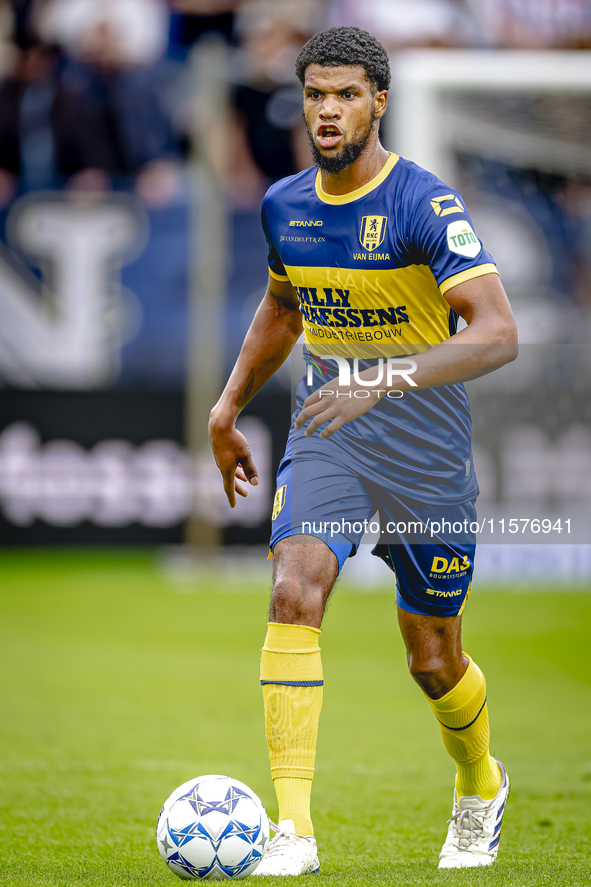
(94, 94)
(106, 96)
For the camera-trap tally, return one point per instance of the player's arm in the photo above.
(487, 343)
(273, 332)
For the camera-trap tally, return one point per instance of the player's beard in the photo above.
(349, 154)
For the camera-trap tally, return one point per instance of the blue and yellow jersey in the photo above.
(371, 267)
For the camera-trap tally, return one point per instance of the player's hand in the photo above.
(337, 408)
(233, 457)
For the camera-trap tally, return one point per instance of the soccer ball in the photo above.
(212, 827)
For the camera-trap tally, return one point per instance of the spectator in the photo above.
(46, 131)
(268, 95)
(108, 33)
(192, 19)
(112, 51)
(7, 48)
(533, 23)
(403, 24)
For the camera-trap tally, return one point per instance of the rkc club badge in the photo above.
(279, 501)
(372, 231)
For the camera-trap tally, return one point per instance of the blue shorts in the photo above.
(429, 547)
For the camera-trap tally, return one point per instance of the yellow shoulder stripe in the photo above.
(470, 274)
(278, 276)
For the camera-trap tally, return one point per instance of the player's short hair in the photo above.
(346, 46)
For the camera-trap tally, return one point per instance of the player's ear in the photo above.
(380, 102)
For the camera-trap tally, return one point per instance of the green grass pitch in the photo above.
(116, 688)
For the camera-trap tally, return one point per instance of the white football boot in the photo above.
(475, 829)
(288, 853)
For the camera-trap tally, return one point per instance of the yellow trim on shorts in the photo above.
(465, 601)
(282, 277)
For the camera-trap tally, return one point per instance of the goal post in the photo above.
(424, 126)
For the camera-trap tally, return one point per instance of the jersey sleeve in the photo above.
(442, 236)
(276, 268)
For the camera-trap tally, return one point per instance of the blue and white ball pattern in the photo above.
(212, 827)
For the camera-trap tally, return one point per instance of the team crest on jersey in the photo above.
(373, 229)
(279, 501)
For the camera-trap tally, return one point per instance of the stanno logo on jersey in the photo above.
(298, 223)
(439, 210)
(372, 231)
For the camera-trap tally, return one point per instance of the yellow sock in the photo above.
(463, 719)
(293, 797)
(291, 676)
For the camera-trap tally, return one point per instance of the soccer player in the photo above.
(374, 258)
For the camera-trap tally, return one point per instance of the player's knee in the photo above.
(430, 673)
(294, 601)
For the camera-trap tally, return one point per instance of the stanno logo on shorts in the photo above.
(444, 593)
(279, 501)
(373, 229)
